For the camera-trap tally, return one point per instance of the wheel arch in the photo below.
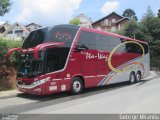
(81, 77)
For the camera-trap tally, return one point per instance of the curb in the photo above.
(9, 94)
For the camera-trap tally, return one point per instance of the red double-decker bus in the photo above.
(71, 58)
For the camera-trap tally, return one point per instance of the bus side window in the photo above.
(134, 48)
(117, 41)
(86, 40)
(103, 43)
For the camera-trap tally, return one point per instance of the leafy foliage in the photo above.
(74, 22)
(148, 29)
(6, 45)
(130, 14)
(7, 72)
(4, 7)
(158, 14)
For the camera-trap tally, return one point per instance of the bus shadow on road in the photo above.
(146, 80)
(87, 92)
(47, 100)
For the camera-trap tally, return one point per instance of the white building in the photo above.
(84, 20)
(18, 31)
(32, 26)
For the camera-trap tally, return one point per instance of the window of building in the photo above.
(10, 32)
(106, 21)
(113, 29)
(98, 28)
(113, 20)
(83, 20)
(18, 31)
(105, 29)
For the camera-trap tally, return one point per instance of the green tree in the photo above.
(148, 29)
(147, 25)
(151, 29)
(158, 14)
(4, 7)
(130, 14)
(132, 29)
(74, 22)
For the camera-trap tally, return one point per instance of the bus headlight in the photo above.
(39, 82)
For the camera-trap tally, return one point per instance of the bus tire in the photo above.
(76, 86)
(138, 76)
(132, 78)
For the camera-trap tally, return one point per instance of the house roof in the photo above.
(107, 17)
(33, 24)
(125, 18)
(5, 25)
(22, 26)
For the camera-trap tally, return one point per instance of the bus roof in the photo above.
(111, 34)
(96, 31)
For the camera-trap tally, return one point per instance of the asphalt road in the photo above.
(122, 98)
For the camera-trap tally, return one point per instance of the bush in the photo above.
(6, 45)
(7, 71)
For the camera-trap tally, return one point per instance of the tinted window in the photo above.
(87, 40)
(62, 34)
(108, 43)
(135, 48)
(56, 58)
(35, 38)
(103, 43)
(53, 62)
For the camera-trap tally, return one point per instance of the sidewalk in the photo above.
(9, 94)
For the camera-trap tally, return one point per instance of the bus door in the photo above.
(52, 64)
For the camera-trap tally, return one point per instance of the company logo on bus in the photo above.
(109, 62)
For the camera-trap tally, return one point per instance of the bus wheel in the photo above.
(76, 86)
(138, 76)
(132, 78)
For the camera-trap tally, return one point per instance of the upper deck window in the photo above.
(62, 34)
(35, 38)
(59, 33)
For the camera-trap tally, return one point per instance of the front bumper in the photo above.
(32, 89)
(44, 87)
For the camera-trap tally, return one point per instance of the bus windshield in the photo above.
(51, 59)
(35, 38)
(29, 67)
(59, 33)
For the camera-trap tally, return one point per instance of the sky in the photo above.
(52, 12)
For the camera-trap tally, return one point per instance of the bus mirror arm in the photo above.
(8, 54)
(46, 46)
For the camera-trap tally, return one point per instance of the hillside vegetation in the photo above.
(7, 69)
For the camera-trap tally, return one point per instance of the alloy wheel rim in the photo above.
(138, 77)
(132, 78)
(76, 86)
